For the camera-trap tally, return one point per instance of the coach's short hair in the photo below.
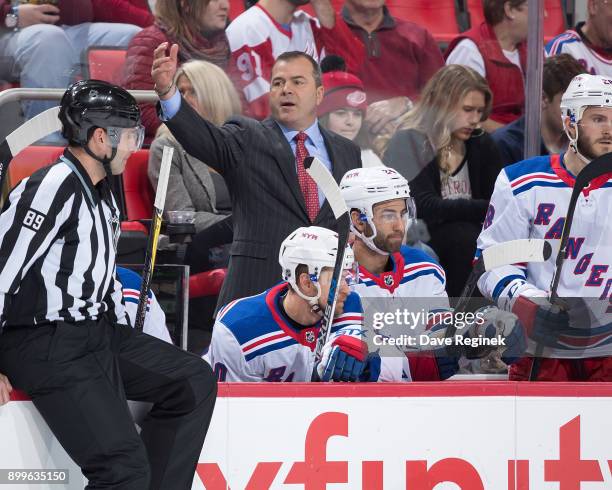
(292, 55)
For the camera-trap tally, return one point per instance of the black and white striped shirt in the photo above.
(58, 240)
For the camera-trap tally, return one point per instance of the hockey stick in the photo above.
(331, 191)
(29, 132)
(158, 209)
(506, 253)
(600, 166)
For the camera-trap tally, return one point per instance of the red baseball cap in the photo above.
(342, 89)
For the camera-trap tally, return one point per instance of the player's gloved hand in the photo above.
(371, 373)
(491, 322)
(541, 321)
(550, 322)
(343, 358)
(518, 288)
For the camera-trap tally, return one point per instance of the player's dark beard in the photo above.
(585, 147)
(299, 3)
(386, 245)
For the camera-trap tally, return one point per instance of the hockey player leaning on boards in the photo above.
(61, 312)
(272, 336)
(531, 200)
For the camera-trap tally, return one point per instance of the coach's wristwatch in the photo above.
(12, 18)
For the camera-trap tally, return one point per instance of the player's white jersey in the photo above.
(155, 320)
(571, 43)
(414, 274)
(416, 281)
(530, 200)
(254, 340)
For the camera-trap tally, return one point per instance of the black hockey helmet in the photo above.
(90, 104)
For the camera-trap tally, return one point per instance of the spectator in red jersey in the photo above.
(197, 26)
(496, 49)
(135, 12)
(401, 57)
(271, 27)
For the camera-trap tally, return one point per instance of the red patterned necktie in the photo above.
(308, 186)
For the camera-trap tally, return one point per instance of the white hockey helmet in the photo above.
(314, 247)
(363, 188)
(584, 91)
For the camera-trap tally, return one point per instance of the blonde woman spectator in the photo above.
(451, 163)
(197, 26)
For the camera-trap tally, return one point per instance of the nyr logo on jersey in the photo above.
(310, 236)
(33, 219)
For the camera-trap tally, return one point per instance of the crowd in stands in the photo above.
(448, 120)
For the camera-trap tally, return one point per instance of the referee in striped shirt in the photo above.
(63, 341)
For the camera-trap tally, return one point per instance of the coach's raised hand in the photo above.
(164, 68)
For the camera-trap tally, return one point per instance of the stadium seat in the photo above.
(30, 159)
(439, 17)
(137, 190)
(554, 16)
(474, 7)
(104, 63)
(554, 19)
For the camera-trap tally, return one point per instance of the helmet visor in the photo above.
(126, 139)
(389, 216)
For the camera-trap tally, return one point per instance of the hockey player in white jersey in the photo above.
(272, 336)
(381, 208)
(530, 201)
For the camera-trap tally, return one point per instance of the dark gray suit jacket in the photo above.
(259, 167)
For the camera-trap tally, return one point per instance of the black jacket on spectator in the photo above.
(454, 224)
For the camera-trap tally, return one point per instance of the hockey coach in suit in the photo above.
(262, 163)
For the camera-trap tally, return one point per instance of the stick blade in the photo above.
(516, 251)
(325, 180)
(164, 174)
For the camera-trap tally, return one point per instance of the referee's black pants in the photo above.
(79, 377)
